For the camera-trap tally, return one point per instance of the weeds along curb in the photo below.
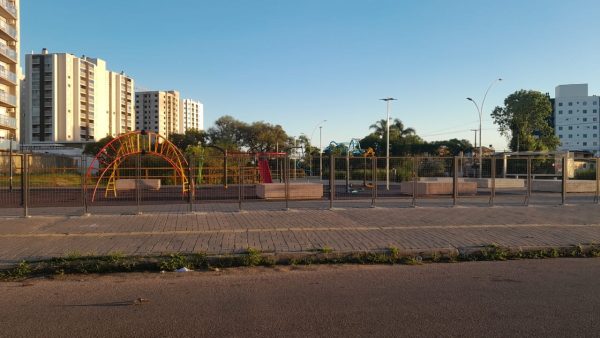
(117, 262)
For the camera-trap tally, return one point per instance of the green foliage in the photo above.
(174, 262)
(191, 138)
(585, 174)
(94, 148)
(231, 134)
(253, 257)
(525, 119)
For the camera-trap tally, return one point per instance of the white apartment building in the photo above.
(577, 118)
(122, 115)
(9, 72)
(192, 115)
(158, 111)
(73, 100)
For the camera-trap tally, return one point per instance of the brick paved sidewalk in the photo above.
(345, 230)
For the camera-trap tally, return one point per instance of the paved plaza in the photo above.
(299, 230)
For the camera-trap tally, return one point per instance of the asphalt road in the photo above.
(541, 298)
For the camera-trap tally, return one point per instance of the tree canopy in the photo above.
(524, 120)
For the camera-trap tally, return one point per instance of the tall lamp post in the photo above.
(387, 142)
(320, 126)
(479, 111)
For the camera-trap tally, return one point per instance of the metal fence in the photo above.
(39, 184)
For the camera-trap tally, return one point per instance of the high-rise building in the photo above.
(73, 100)
(192, 115)
(9, 72)
(122, 114)
(158, 111)
(577, 118)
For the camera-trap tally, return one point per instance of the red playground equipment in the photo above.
(263, 165)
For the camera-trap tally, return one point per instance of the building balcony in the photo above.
(7, 122)
(7, 32)
(7, 55)
(8, 7)
(8, 78)
(7, 100)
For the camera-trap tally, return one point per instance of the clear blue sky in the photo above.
(296, 63)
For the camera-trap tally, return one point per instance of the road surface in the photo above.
(543, 298)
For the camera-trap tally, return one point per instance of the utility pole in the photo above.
(387, 142)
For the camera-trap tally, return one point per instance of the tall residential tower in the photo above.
(73, 100)
(9, 72)
(577, 118)
(192, 115)
(158, 111)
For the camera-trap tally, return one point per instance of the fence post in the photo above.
(415, 174)
(240, 182)
(528, 196)
(25, 185)
(287, 182)
(191, 186)
(493, 180)
(331, 180)
(10, 166)
(138, 197)
(455, 181)
(597, 197)
(84, 185)
(373, 180)
(565, 178)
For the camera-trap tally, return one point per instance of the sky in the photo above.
(297, 63)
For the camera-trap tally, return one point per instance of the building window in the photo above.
(570, 103)
(560, 104)
(585, 119)
(585, 111)
(595, 127)
(570, 127)
(570, 135)
(585, 103)
(559, 136)
(570, 112)
(560, 112)
(584, 135)
(585, 143)
(559, 128)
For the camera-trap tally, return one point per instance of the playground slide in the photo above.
(265, 171)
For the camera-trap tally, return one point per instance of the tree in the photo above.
(191, 137)
(398, 127)
(227, 133)
(263, 137)
(94, 148)
(397, 130)
(524, 121)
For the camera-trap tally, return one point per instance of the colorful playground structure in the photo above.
(113, 154)
(351, 148)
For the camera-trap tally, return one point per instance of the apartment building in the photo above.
(9, 72)
(73, 100)
(122, 115)
(158, 111)
(192, 115)
(577, 118)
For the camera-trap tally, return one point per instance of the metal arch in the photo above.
(133, 143)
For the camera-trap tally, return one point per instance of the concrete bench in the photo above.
(499, 182)
(298, 191)
(129, 184)
(573, 186)
(438, 188)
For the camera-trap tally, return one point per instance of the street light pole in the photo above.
(479, 111)
(475, 130)
(320, 126)
(320, 153)
(387, 142)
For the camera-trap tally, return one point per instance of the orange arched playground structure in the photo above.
(109, 158)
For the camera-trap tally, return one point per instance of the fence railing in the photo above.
(44, 183)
